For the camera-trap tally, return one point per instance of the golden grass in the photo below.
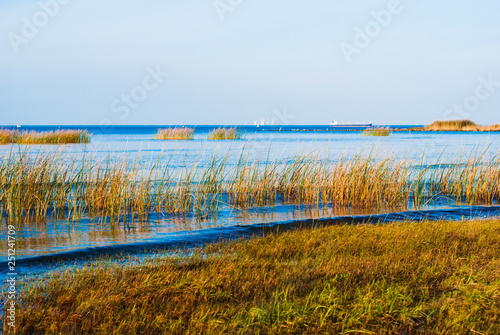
(175, 134)
(225, 134)
(6, 136)
(377, 132)
(459, 125)
(33, 185)
(403, 278)
(48, 137)
(495, 127)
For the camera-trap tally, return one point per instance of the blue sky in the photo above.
(91, 62)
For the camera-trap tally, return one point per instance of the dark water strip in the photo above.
(193, 239)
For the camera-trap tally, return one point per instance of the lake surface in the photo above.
(265, 143)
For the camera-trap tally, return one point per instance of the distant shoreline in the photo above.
(437, 126)
(423, 129)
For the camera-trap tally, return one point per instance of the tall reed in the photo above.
(460, 125)
(34, 186)
(48, 137)
(377, 132)
(493, 127)
(6, 136)
(457, 125)
(225, 134)
(175, 134)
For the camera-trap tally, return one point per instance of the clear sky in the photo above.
(237, 61)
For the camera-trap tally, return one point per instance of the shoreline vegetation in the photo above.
(175, 134)
(401, 278)
(225, 134)
(459, 125)
(454, 125)
(35, 186)
(188, 134)
(183, 133)
(377, 132)
(46, 137)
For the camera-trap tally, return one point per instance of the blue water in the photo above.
(152, 129)
(265, 143)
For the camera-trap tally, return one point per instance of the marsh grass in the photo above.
(225, 134)
(6, 136)
(377, 132)
(403, 278)
(460, 125)
(48, 137)
(175, 134)
(494, 127)
(32, 185)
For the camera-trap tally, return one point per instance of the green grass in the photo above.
(377, 132)
(225, 134)
(403, 278)
(48, 137)
(175, 134)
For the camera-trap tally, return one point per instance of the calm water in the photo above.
(265, 143)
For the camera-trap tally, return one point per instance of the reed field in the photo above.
(47, 137)
(6, 136)
(175, 134)
(225, 134)
(377, 132)
(460, 125)
(38, 186)
(402, 278)
(494, 127)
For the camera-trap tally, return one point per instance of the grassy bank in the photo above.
(47, 137)
(35, 186)
(225, 134)
(458, 125)
(175, 134)
(429, 277)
